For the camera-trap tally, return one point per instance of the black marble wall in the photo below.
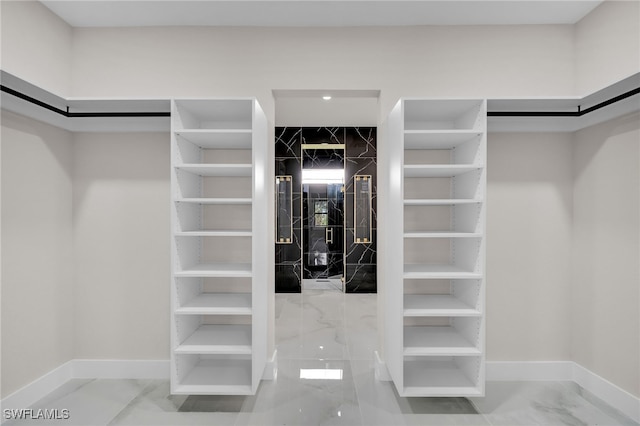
(360, 159)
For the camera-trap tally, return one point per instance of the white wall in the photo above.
(36, 45)
(413, 61)
(37, 275)
(607, 45)
(121, 185)
(121, 245)
(606, 251)
(529, 210)
(472, 61)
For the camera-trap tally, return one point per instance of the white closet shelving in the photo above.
(435, 247)
(219, 237)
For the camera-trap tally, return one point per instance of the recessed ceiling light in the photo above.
(326, 97)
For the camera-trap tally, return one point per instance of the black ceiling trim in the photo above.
(579, 113)
(69, 114)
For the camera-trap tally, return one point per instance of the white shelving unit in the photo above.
(219, 238)
(434, 186)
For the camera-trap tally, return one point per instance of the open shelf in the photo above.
(421, 271)
(218, 170)
(441, 201)
(217, 304)
(218, 139)
(438, 139)
(213, 233)
(444, 221)
(437, 341)
(438, 377)
(212, 114)
(205, 218)
(213, 376)
(217, 339)
(437, 305)
(442, 234)
(216, 270)
(437, 170)
(450, 114)
(214, 200)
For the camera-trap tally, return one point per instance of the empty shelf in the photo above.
(437, 378)
(216, 270)
(212, 233)
(417, 271)
(438, 170)
(218, 339)
(439, 341)
(217, 304)
(437, 305)
(217, 377)
(440, 202)
(233, 201)
(437, 139)
(218, 139)
(231, 170)
(442, 234)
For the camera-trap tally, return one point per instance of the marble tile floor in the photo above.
(325, 343)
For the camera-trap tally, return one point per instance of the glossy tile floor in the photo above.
(325, 342)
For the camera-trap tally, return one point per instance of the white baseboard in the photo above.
(159, 369)
(534, 371)
(271, 368)
(84, 369)
(120, 369)
(608, 392)
(567, 371)
(380, 370)
(26, 396)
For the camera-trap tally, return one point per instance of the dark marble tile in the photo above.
(311, 272)
(297, 210)
(288, 277)
(323, 135)
(290, 252)
(361, 166)
(336, 264)
(288, 140)
(361, 279)
(323, 159)
(358, 253)
(336, 211)
(361, 141)
(290, 167)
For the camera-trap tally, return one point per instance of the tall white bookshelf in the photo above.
(219, 235)
(434, 265)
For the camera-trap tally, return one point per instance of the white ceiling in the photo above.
(307, 13)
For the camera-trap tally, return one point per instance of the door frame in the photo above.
(327, 146)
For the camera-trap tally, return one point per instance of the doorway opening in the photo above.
(326, 220)
(323, 230)
(307, 245)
